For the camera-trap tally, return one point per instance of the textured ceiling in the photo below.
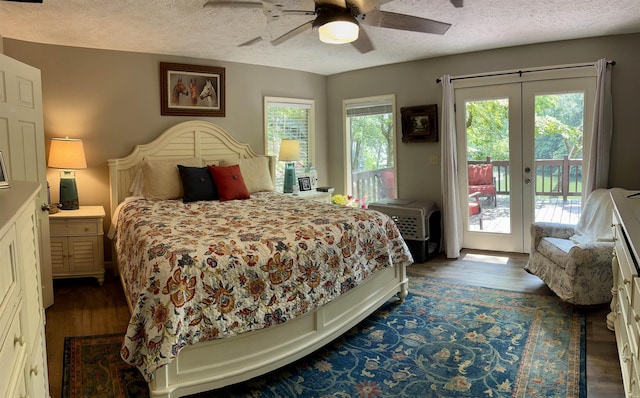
(186, 28)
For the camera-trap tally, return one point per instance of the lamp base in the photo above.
(289, 177)
(68, 191)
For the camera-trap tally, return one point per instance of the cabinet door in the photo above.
(83, 251)
(21, 388)
(26, 230)
(37, 378)
(9, 283)
(59, 255)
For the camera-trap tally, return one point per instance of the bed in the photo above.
(233, 289)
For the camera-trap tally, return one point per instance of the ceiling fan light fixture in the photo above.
(338, 32)
(336, 25)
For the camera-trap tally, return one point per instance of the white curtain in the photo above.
(597, 167)
(451, 217)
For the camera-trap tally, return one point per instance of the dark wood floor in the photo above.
(84, 308)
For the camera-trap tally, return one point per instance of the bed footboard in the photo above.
(218, 363)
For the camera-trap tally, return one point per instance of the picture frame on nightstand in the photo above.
(304, 183)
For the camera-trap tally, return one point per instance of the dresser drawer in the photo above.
(20, 390)
(13, 345)
(624, 352)
(75, 227)
(627, 268)
(9, 283)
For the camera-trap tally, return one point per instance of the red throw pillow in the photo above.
(229, 182)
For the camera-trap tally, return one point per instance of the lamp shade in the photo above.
(289, 151)
(67, 153)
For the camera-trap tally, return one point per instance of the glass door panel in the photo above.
(487, 162)
(489, 144)
(559, 122)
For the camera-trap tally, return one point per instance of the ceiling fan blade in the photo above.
(457, 3)
(364, 6)
(363, 43)
(250, 42)
(292, 33)
(236, 4)
(391, 20)
(298, 12)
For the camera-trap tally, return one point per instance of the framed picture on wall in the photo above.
(420, 123)
(192, 90)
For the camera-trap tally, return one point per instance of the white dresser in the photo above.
(22, 340)
(625, 306)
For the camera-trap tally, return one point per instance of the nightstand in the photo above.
(317, 196)
(76, 243)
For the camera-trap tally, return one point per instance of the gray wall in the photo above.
(414, 83)
(111, 100)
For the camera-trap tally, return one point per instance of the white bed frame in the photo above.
(218, 363)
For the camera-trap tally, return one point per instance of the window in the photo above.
(289, 118)
(370, 147)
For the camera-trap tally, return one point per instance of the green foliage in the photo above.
(488, 129)
(558, 127)
(372, 142)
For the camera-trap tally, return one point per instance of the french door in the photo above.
(521, 145)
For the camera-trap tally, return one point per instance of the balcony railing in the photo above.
(373, 185)
(556, 178)
(553, 177)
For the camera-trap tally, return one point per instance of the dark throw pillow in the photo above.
(197, 184)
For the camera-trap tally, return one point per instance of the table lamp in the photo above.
(67, 154)
(290, 153)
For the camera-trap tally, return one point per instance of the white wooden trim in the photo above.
(196, 138)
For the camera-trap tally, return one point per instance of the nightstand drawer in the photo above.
(75, 227)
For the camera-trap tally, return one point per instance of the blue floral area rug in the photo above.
(445, 340)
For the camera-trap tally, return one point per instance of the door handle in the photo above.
(45, 207)
(527, 181)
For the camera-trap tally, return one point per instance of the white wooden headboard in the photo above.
(196, 138)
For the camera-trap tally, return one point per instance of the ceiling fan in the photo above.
(339, 21)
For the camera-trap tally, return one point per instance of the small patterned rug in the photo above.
(445, 340)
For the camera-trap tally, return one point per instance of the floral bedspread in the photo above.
(205, 270)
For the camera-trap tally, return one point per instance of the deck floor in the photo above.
(552, 209)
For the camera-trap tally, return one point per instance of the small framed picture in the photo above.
(4, 174)
(420, 123)
(304, 183)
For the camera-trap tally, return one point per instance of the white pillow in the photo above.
(162, 178)
(137, 186)
(255, 172)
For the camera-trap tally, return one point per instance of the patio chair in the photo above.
(475, 209)
(481, 180)
(575, 260)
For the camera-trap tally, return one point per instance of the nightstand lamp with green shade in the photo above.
(67, 154)
(290, 153)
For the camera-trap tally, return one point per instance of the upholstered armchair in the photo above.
(481, 180)
(575, 260)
